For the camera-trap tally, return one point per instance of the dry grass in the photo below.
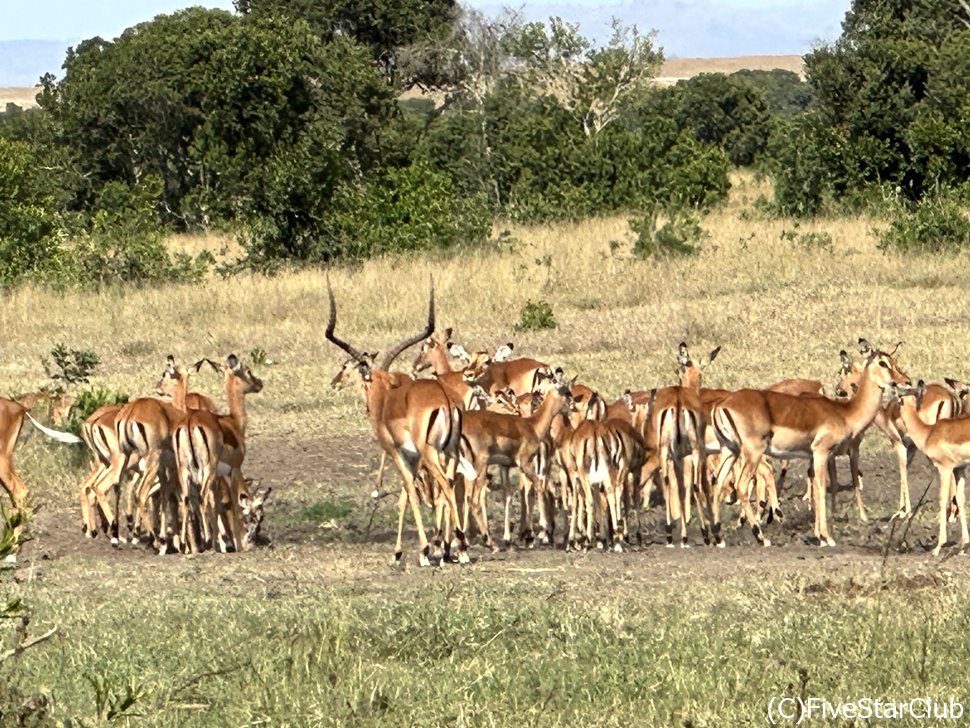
(675, 69)
(777, 309)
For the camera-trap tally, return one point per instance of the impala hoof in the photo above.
(766, 543)
(464, 558)
(423, 560)
(721, 545)
(115, 542)
(670, 545)
(618, 548)
(684, 545)
(936, 551)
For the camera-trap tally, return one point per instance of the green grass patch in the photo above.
(458, 651)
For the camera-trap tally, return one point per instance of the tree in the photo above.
(725, 111)
(388, 28)
(891, 97)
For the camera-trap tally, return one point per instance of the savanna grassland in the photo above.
(318, 629)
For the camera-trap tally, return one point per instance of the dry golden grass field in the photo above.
(319, 629)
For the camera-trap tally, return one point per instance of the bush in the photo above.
(125, 243)
(809, 241)
(87, 402)
(535, 316)
(934, 226)
(680, 234)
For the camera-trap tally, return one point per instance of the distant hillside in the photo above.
(23, 62)
(676, 69)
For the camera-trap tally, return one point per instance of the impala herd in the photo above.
(594, 464)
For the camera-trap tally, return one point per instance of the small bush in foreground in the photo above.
(87, 402)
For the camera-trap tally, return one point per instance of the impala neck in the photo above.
(863, 408)
(917, 430)
(543, 417)
(237, 402)
(180, 391)
(439, 359)
(375, 393)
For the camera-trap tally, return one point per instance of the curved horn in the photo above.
(356, 353)
(896, 348)
(393, 352)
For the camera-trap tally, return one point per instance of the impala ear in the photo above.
(447, 333)
(713, 355)
(865, 348)
(845, 361)
(232, 361)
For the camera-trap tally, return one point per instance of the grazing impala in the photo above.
(12, 415)
(752, 423)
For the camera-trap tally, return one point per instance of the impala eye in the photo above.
(884, 365)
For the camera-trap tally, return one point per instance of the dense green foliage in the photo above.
(891, 96)
(283, 122)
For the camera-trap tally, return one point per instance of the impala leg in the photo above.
(857, 480)
(833, 478)
(946, 479)
(961, 503)
(905, 505)
(507, 498)
(402, 506)
(751, 462)
(820, 457)
(720, 482)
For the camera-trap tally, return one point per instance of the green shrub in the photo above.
(536, 315)
(934, 226)
(87, 402)
(125, 244)
(809, 241)
(70, 366)
(680, 234)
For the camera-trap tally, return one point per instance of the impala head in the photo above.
(241, 376)
(358, 370)
(902, 391)
(435, 347)
(883, 368)
(849, 375)
(689, 372)
(477, 368)
(172, 377)
(505, 401)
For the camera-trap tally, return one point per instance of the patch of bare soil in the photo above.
(358, 548)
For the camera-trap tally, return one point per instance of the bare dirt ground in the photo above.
(356, 548)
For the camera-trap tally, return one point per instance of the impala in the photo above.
(509, 440)
(751, 423)
(415, 422)
(938, 403)
(12, 415)
(209, 452)
(947, 444)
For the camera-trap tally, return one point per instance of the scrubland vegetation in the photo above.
(560, 201)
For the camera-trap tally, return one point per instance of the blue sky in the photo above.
(686, 26)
